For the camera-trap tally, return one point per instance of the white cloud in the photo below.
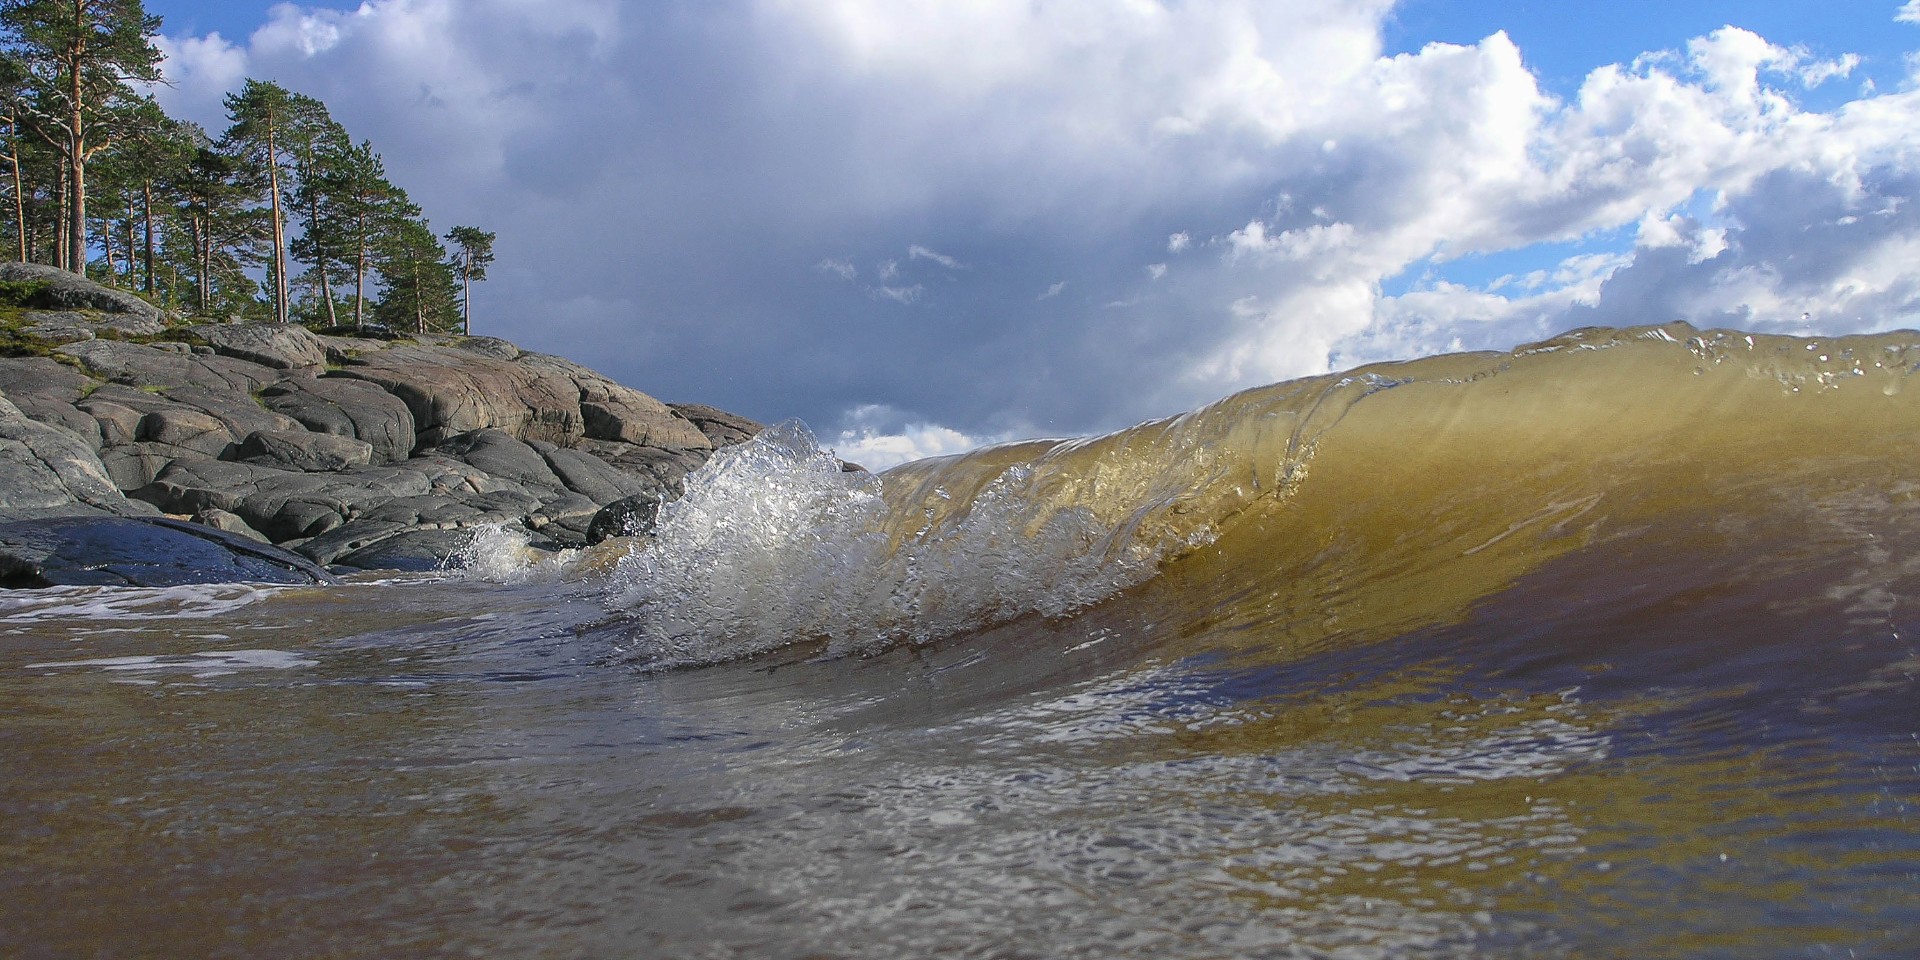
(689, 164)
(1909, 12)
(878, 437)
(918, 252)
(899, 294)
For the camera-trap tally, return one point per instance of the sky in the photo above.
(922, 225)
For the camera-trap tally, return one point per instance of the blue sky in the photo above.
(920, 225)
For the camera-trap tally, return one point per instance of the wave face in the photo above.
(1357, 505)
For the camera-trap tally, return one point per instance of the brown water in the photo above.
(1600, 649)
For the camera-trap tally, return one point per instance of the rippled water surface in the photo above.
(1583, 692)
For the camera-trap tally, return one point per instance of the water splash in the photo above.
(498, 554)
(775, 544)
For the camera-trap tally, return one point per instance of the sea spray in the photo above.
(774, 543)
(496, 553)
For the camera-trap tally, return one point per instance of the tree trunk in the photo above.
(63, 224)
(19, 199)
(146, 191)
(466, 300)
(360, 274)
(77, 157)
(280, 286)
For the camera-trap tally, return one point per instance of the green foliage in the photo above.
(33, 294)
(283, 215)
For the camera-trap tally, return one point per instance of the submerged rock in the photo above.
(121, 551)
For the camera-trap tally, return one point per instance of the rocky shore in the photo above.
(138, 451)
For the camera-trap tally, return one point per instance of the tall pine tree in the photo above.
(80, 57)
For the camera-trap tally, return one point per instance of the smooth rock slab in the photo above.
(121, 551)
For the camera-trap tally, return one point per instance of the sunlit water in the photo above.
(1360, 689)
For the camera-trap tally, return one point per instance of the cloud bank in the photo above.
(919, 224)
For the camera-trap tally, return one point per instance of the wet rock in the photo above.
(121, 551)
(413, 550)
(628, 517)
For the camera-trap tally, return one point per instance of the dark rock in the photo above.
(120, 551)
(68, 291)
(282, 346)
(625, 518)
(413, 550)
(347, 408)
(303, 450)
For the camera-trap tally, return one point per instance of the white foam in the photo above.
(498, 554)
(773, 544)
(200, 665)
(192, 601)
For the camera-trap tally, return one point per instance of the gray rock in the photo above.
(231, 523)
(347, 408)
(303, 450)
(66, 326)
(70, 291)
(723, 428)
(154, 366)
(47, 390)
(47, 471)
(282, 346)
(116, 423)
(189, 486)
(500, 455)
(134, 465)
(181, 426)
(532, 396)
(120, 551)
(594, 478)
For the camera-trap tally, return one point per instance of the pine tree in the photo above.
(365, 206)
(260, 114)
(473, 251)
(216, 210)
(420, 294)
(80, 56)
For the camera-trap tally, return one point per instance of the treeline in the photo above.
(282, 216)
